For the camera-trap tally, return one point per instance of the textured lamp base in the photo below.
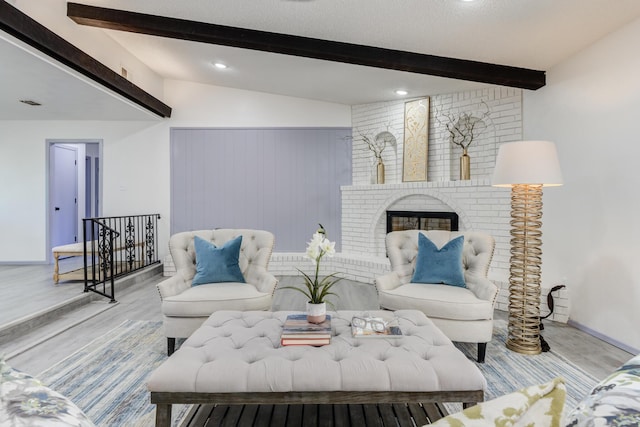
(526, 259)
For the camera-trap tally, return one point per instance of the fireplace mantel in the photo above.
(485, 182)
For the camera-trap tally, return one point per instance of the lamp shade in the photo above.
(527, 162)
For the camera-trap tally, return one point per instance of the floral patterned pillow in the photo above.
(613, 402)
(538, 405)
(25, 401)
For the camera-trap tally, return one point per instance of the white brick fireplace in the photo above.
(479, 206)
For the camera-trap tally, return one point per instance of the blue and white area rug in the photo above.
(107, 378)
(507, 371)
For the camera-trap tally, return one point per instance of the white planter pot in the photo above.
(316, 313)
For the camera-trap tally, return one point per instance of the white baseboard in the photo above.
(603, 337)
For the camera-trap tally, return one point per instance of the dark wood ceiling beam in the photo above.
(26, 29)
(306, 47)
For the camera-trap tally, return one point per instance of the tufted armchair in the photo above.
(464, 314)
(185, 308)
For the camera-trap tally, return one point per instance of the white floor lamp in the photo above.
(526, 167)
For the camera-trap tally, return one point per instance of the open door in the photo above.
(63, 194)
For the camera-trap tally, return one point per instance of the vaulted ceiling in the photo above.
(533, 34)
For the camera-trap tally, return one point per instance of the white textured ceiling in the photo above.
(536, 34)
(525, 33)
(26, 74)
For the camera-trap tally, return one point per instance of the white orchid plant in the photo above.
(317, 290)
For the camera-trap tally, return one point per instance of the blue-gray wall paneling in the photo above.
(285, 180)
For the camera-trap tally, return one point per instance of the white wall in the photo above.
(202, 105)
(591, 108)
(135, 163)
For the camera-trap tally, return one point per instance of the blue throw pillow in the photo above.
(439, 266)
(217, 264)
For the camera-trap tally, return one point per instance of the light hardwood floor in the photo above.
(25, 292)
(26, 289)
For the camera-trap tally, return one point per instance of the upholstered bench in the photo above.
(236, 358)
(72, 249)
(76, 250)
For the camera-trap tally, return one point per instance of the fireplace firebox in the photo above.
(413, 220)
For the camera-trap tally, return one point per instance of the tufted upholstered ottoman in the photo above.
(235, 357)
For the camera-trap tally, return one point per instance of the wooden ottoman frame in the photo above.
(164, 400)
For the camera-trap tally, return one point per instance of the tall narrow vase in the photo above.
(380, 172)
(465, 165)
(316, 313)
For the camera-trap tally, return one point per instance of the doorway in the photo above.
(74, 189)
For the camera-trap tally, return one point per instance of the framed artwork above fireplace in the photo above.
(416, 140)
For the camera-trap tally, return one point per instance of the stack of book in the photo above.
(297, 331)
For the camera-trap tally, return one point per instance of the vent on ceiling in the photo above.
(30, 102)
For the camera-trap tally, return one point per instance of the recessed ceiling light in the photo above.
(401, 92)
(219, 65)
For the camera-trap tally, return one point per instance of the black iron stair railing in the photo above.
(115, 247)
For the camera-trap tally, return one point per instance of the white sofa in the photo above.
(463, 314)
(186, 307)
